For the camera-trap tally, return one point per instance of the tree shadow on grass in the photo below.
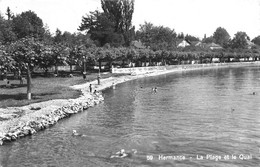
(42, 95)
(23, 96)
(19, 96)
(13, 86)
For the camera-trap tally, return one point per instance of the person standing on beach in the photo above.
(90, 88)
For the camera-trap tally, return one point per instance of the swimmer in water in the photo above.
(254, 93)
(75, 133)
(123, 154)
(154, 89)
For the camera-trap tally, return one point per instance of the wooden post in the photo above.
(29, 97)
(99, 69)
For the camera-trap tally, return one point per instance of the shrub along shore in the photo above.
(18, 122)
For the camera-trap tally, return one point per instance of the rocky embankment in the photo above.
(17, 122)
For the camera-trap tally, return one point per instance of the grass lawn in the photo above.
(43, 89)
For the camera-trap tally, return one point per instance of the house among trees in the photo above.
(213, 46)
(198, 44)
(249, 44)
(138, 44)
(182, 43)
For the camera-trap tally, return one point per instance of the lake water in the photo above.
(197, 118)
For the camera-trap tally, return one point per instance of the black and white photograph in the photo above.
(129, 83)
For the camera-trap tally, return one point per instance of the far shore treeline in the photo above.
(108, 36)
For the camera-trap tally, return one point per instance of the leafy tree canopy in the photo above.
(9, 14)
(120, 12)
(156, 37)
(208, 40)
(101, 29)
(180, 36)
(28, 24)
(113, 25)
(191, 38)
(240, 40)
(6, 33)
(221, 36)
(256, 40)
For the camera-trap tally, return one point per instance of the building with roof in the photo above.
(213, 46)
(249, 44)
(138, 44)
(182, 43)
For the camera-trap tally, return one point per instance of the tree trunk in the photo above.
(15, 75)
(84, 66)
(228, 59)
(46, 72)
(56, 69)
(99, 65)
(29, 97)
(5, 74)
(71, 68)
(110, 65)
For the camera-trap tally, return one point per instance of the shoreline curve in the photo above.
(29, 119)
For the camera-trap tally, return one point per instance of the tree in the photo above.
(180, 36)
(28, 24)
(240, 40)
(82, 39)
(101, 29)
(60, 54)
(6, 31)
(191, 38)
(45, 59)
(68, 38)
(208, 40)
(156, 37)
(145, 33)
(120, 12)
(221, 36)
(9, 14)
(7, 63)
(47, 37)
(256, 40)
(73, 58)
(58, 36)
(25, 52)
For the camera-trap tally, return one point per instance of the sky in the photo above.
(194, 17)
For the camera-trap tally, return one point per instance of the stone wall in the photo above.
(138, 70)
(150, 69)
